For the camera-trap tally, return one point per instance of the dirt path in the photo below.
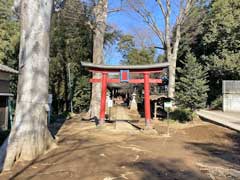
(194, 151)
(120, 113)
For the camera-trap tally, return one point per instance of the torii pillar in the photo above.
(147, 100)
(103, 98)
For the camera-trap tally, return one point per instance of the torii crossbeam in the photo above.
(124, 71)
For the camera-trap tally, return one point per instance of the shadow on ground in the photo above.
(218, 150)
(164, 169)
(52, 160)
(56, 125)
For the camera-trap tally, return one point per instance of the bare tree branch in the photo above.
(148, 18)
(168, 7)
(168, 28)
(184, 11)
(114, 10)
(161, 7)
(169, 36)
(157, 47)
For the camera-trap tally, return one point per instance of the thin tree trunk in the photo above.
(100, 13)
(65, 74)
(29, 136)
(58, 100)
(171, 73)
(169, 55)
(183, 11)
(173, 62)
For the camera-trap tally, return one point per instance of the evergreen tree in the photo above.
(9, 34)
(71, 42)
(192, 85)
(9, 39)
(133, 55)
(221, 44)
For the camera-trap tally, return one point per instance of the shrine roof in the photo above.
(125, 67)
(7, 69)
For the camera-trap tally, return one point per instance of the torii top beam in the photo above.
(151, 68)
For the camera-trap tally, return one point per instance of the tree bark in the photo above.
(173, 62)
(29, 136)
(171, 74)
(100, 14)
(168, 51)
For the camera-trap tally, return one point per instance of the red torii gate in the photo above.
(124, 71)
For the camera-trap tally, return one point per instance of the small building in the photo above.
(5, 95)
(231, 96)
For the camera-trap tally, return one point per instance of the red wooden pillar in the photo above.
(147, 100)
(103, 98)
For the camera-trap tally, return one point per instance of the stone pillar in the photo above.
(133, 105)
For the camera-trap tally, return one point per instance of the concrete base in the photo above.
(101, 122)
(149, 131)
(102, 126)
(230, 120)
(124, 126)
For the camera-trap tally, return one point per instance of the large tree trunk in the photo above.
(29, 136)
(100, 13)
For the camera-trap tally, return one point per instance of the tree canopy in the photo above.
(212, 35)
(9, 34)
(133, 55)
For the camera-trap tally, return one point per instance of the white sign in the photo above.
(168, 104)
(110, 103)
(50, 97)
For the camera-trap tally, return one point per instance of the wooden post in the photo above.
(155, 110)
(147, 99)
(6, 114)
(103, 98)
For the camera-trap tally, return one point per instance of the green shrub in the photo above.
(217, 103)
(182, 115)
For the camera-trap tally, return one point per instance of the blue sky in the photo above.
(128, 22)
